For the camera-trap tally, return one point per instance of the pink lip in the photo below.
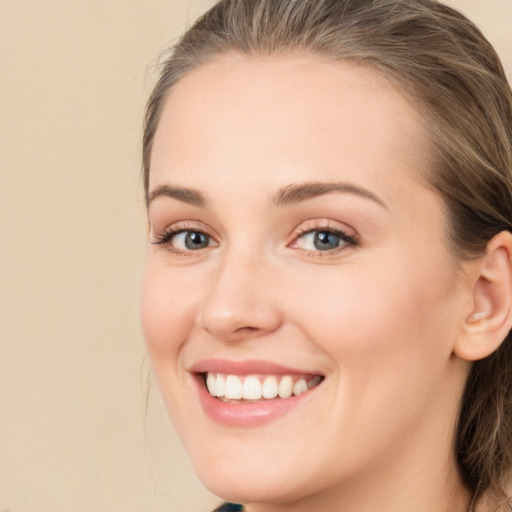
(246, 367)
(246, 414)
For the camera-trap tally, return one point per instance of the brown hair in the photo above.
(440, 59)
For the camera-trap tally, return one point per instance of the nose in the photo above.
(240, 303)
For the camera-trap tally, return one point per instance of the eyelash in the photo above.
(164, 238)
(348, 241)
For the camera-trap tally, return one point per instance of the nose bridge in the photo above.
(240, 302)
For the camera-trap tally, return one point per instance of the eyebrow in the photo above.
(185, 195)
(296, 193)
(291, 194)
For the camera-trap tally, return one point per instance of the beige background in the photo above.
(74, 76)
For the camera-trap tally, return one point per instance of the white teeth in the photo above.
(252, 388)
(233, 389)
(220, 385)
(300, 387)
(270, 387)
(285, 388)
(210, 384)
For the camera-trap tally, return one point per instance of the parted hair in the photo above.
(440, 60)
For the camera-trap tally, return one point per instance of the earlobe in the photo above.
(490, 319)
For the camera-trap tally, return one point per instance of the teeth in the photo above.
(314, 382)
(210, 384)
(233, 389)
(252, 387)
(285, 388)
(300, 387)
(220, 385)
(270, 387)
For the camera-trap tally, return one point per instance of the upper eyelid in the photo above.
(185, 225)
(347, 239)
(324, 224)
(304, 227)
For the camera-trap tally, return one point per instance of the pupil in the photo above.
(325, 240)
(196, 240)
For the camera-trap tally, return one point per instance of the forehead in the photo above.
(292, 114)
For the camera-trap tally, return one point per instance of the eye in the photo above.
(324, 239)
(181, 241)
(190, 240)
(319, 241)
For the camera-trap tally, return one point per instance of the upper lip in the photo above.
(246, 367)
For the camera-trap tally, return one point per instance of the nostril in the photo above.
(238, 302)
(247, 329)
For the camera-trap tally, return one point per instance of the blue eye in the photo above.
(184, 240)
(190, 240)
(324, 240)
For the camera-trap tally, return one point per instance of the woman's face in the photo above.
(295, 249)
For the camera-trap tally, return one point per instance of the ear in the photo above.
(489, 321)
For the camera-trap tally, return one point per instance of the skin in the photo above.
(379, 320)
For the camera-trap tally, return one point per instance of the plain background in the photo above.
(74, 432)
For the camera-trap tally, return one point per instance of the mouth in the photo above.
(232, 388)
(250, 393)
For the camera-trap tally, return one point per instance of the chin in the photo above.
(248, 487)
(247, 478)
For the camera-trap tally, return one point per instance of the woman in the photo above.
(327, 297)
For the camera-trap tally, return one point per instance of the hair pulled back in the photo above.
(443, 62)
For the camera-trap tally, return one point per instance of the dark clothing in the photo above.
(230, 507)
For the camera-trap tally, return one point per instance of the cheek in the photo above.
(386, 330)
(379, 319)
(167, 318)
(166, 313)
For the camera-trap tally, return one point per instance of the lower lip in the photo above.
(247, 414)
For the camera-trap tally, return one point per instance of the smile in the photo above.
(229, 387)
(249, 393)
